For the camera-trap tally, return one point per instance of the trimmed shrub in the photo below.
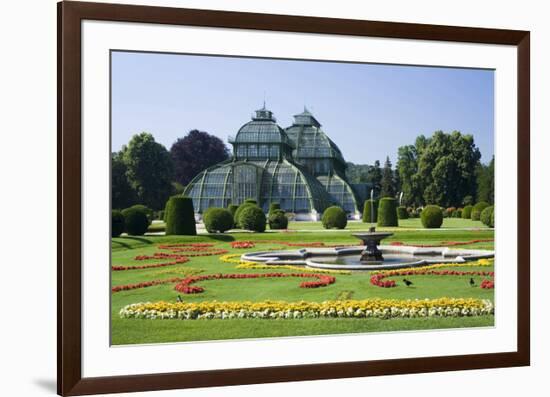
(180, 216)
(277, 220)
(232, 208)
(402, 213)
(273, 207)
(486, 214)
(252, 218)
(387, 212)
(148, 211)
(457, 213)
(334, 218)
(240, 209)
(476, 211)
(493, 218)
(251, 201)
(135, 221)
(117, 223)
(367, 210)
(432, 217)
(217, 220)
(467, 212)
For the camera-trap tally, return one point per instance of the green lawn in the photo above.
(355, 286)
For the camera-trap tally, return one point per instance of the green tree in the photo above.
(486, 182)
(374, 177)
(447, 168)
(407, 168)
(149, 170)
(122, 193)
(387, 188)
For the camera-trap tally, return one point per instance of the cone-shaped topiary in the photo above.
(476, 211)
(402, 212)
(277, 220)
(387, 212)
(252, 218)
(486, 214)
(334, 218)
(180, 216)
(367, 211)
(467, 212)
(217, 220)
(135, 221)
(432, 217)
(117, 223)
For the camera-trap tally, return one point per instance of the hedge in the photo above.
(252, 218)
(135, 221)
(334, 218)
(217, 220)
(117, 223)
(367, 210)
(476, 211)
(277, 220)
(180, 216)
(432, 217)
(387, 212)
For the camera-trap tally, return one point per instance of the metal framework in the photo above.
(300, 168)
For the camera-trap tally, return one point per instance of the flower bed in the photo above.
(370, 308)
(242, 244)
(445, 243)
(184, 286)
(378, 278)
(178, 259)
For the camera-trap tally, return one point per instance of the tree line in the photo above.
(145, 172)
(444, 169)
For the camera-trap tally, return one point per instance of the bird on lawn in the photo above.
(408, 283)
(179, 299)
(472, 282)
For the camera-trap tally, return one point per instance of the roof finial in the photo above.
(264, 102)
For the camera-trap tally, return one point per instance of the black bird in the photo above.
(472, 282)
(408, 283)
(179, 299)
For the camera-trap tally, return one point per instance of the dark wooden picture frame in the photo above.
(70, 16)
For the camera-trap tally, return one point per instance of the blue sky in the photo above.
(368, 110)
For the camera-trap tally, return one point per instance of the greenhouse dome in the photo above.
(262, 168)
(322, 158)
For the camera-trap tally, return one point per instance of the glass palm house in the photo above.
(298, 167)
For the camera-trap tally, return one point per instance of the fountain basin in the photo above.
(349, 258)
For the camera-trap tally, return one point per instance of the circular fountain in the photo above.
(368, 256)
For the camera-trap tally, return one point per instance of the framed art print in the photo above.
(252, 198)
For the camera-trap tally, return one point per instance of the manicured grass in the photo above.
(412, 223)
(355, 286)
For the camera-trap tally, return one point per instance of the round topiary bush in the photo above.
(402, 212)
(486, 214)
(251, 201)
(432, 217)
(334, 218)
(273, 207)
(252, 218)
(476, 211)
(148, 211)
(277, 220)
(117, 223)
(467, 212)
(217, 220)
(135, 221)
(367, 211)
(387, 212)
(238, 211)
(180, 216)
